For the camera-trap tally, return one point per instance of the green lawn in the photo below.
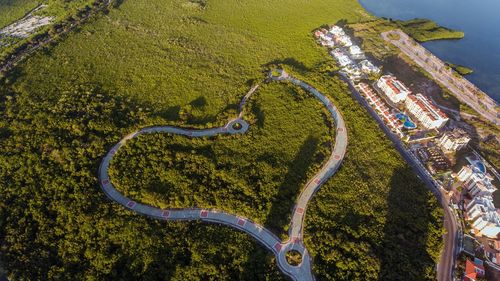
(188, 63)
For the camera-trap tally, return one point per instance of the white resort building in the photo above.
(475, 179)
(483, 216)
(336, 30)
(429, 115)
(454, 140)
(341, 57)
(368, 67)
(356, 52)
(394, 89)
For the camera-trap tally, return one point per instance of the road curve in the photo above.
(279, 248)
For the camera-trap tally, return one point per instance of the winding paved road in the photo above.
(301, 272)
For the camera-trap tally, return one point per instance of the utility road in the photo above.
(446, 264)
(301, 272)
(462, 88)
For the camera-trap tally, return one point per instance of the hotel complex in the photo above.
(385, 98)
(382, 109)
(483, 216)
(394, 89)
(476, 180)
(430, 116)
(481, 212)
(454, 140)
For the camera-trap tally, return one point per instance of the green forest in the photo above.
(188, 63)
(257, 175)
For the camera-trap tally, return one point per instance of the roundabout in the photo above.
(292, 255)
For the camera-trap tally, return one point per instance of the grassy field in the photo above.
(188, 63)
(12, 10)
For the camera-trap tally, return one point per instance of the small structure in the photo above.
(324, 38)
(475, 179)
(353, 72)
(435, 158)
(394, 89)
(336, 30)
(429, 115)
(341, 57)
(344, 40)
(473, 270)
(454, 140)
(356, 53)
(368, 67)
(483, 216)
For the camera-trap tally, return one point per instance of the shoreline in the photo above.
(464, 90)
(483, 70)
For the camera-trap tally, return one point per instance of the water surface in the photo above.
(479, 19)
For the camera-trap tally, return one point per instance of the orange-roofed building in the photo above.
(429, 115)
(473, 271)
(394, 89)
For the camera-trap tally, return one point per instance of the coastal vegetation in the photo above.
(423, 30)
(155, 62)
(483, 132)
(460, 69)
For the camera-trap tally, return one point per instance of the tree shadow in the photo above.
(410, 229)
(171, 114)
(259, 114)
(279, 214)
(199, 102)
(11, 77)
(201, 120)
(292, 62)
(117, 3)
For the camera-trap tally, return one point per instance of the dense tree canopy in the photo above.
(152, 62)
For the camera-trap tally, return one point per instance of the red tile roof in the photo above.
(470, 271)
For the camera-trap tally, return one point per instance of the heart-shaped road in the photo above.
(302, 271)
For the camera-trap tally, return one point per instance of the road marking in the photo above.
(337, 157)
(131, 204)
(278, 246)
(300, 210)
(317, 181)
(204, 213)
(340, 130)
(165, 214)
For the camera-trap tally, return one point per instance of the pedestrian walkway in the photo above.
(264, 236)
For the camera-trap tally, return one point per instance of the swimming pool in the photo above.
(407, 123)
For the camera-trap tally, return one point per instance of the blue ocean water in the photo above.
(479, 19)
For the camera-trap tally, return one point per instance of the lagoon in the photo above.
(480, 20)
